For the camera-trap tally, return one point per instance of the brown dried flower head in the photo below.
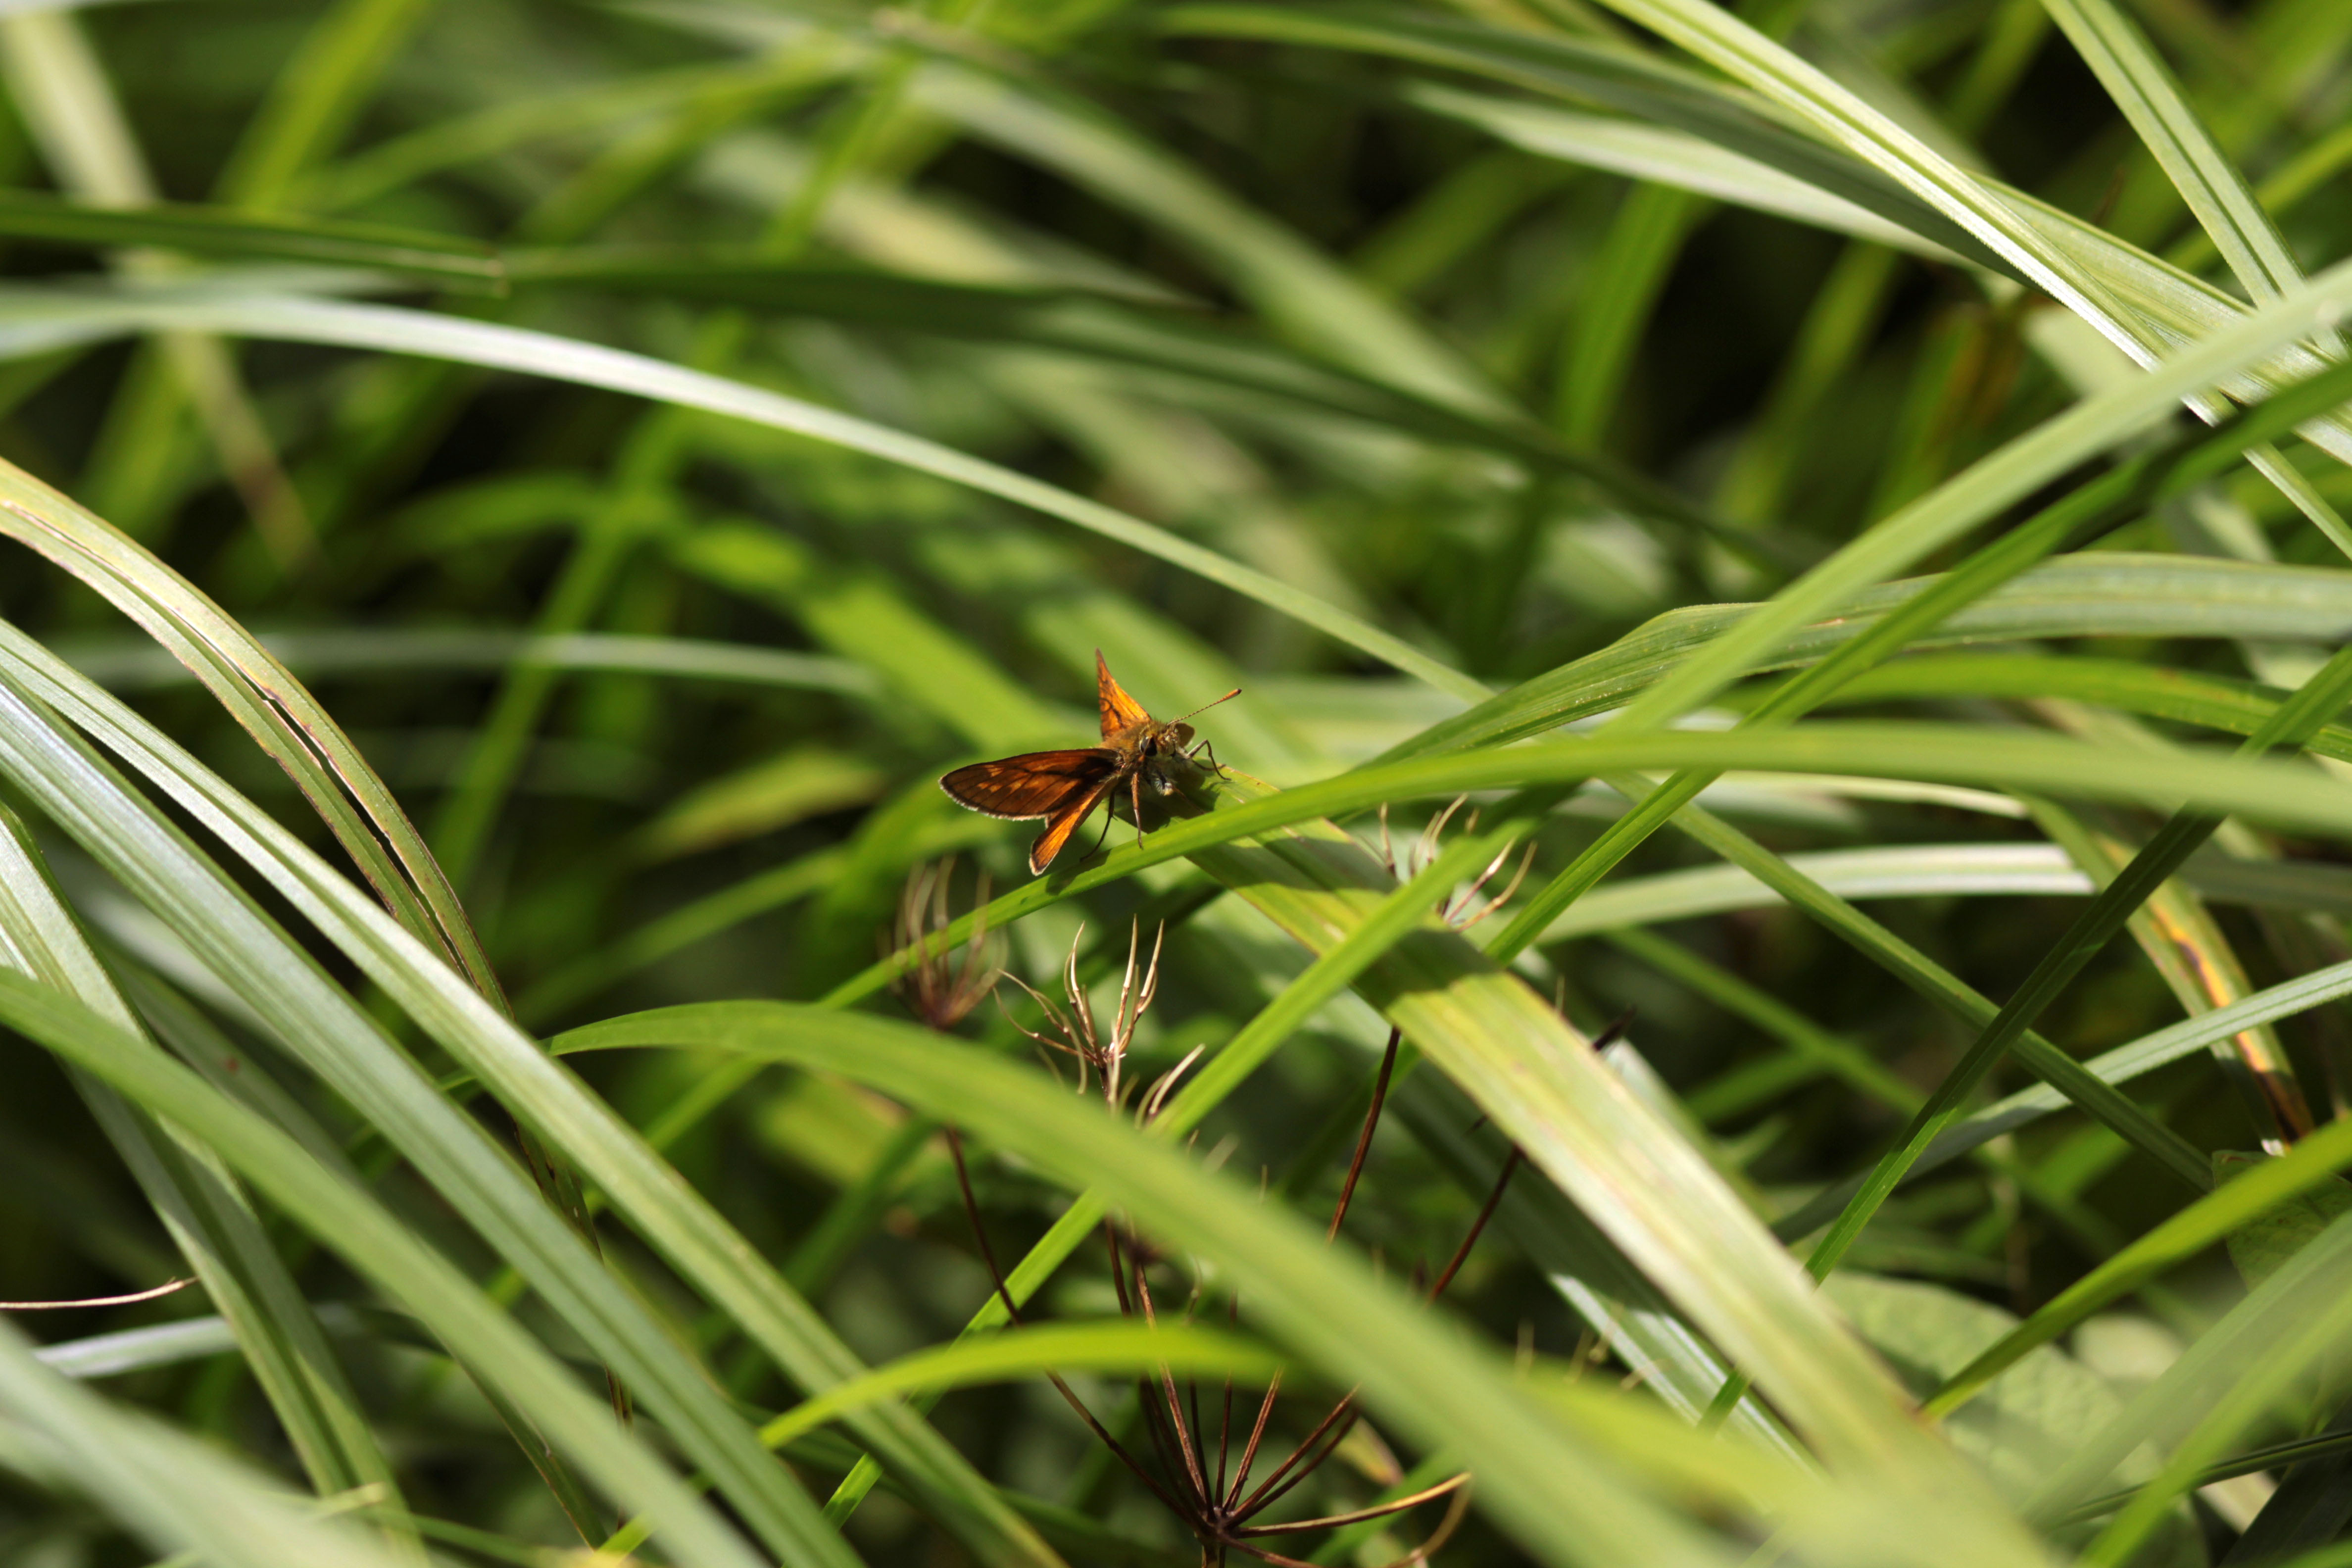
(941, 981)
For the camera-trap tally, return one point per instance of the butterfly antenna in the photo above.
(1204, 707)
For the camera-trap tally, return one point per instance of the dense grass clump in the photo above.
(1754, 972)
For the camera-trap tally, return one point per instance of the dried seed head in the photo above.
(1462, 909)
(1074, 1031)
(941, 982)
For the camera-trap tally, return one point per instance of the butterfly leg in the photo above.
(1135, 798)
(1110, 817)
(1204, 746)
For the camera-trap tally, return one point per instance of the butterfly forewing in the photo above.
(1120, 712)
(1036, 784)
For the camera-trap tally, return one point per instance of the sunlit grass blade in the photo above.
(2087, 595)
(1108, 1347)
(2170, 127)
(2227, 1379)
(2081, 515)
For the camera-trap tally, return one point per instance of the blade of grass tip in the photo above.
(2319, 699)
(385, 1251)
(274, 1326)
(1400, 914)
(2113, 499)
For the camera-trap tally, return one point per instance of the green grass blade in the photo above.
(198, 1202)
(2323, 695)
(1978, 493)
(392, 331)
(2180, 1236)
(448, 260)
(1112, 1347)
(172, 1491)
(1316, 1300)
(317, 94)
(320, 1026)
(2170, 128)
(389, 1253)
(326, 1030)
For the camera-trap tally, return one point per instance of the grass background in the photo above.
(522, 501)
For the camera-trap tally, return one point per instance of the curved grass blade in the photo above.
(324, 1029)
(1661, 155)
(1112, 329)
(2093, 594)
(2081, 514)
(1318, 1300)
(173, 1491)
(385, 1251)
(1628, 80)
(49, 321)
(264, 699)
(1891, 871)
(388, 652)
(1108, 1347)
(2238, 1202)
(198, 1202)
(1219, 1076)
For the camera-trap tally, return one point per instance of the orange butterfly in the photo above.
(1065, 787)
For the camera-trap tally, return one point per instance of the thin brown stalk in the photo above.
(1461, 1252)
(1380, 1510)
(1364, 1139)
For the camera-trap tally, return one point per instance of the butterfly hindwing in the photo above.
(1035, 784)
(1065, 822)
(1120, 712)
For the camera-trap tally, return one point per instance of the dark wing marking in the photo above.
(1065, 822)
(1120, 712)
(1032, 784)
